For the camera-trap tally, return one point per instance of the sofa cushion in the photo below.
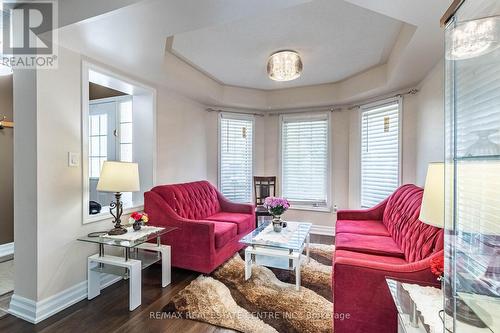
(224, 232)
(193, 201)
(417, 239)
(244, 222)
(370, 257)
(366, 227)
(373, 244)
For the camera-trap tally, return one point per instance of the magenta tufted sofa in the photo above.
(209, 226)
(387, 240)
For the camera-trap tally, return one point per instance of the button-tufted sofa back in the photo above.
(196, 200)
(417, 239)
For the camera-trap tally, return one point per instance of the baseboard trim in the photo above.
(35, 312)
(6, 251)
(322, 230)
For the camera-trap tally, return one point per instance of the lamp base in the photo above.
(117, 231)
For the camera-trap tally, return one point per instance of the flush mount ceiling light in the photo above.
(474, 38)
(284, 66)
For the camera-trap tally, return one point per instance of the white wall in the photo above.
(51, 260)
(25, 184)
(56, 206)
(61, 259)
(430, 122)
(181, 131)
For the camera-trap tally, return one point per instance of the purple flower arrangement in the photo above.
(276, 206)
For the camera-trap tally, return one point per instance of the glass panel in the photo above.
(104, 119)
(126, 133)
(104, 124)
(236, 160)
(126, 152)
(472, 238)
(127, 243)
(292, 237)
(104, 147)
(379, 153)
(127, 198)
(94, 125)
(304, 159)
(101, 162)
(94, 146)
(94, 167)
(126, 112)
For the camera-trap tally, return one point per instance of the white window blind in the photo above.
(304, 160)
(379, 152)
(236, 157)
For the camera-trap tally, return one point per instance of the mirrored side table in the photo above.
(420, 309)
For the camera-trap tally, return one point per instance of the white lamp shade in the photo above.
(478, 197)
(119, 177)
(432, 210)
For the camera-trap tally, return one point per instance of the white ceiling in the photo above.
(335, 39)
(374, 47)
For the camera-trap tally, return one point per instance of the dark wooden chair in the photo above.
(263, 187)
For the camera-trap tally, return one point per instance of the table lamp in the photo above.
(118, 177)
(477, 212)
(432, 209)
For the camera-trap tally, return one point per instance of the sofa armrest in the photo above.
(374, 213)
(232, 207)
(361, 292)
(193, 236)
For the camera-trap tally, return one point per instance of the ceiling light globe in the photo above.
(474, 38)
(284, 66)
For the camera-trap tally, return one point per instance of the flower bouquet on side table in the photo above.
(437, 267)
(138, 220)
(276, 207)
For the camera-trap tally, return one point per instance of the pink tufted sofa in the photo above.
(387, 240)
(209, 226)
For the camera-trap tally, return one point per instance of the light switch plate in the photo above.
(73, 159)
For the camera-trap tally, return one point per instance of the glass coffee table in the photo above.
(139, 254)
(282, 250)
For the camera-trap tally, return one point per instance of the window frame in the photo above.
(117, 100)
(237, 116)
(329, 178)
(99, 136)
(369, 106)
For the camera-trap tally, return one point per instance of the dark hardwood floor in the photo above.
(109, 312)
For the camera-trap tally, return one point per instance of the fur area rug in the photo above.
(267, 302)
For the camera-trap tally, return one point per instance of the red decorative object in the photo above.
(209, 226)
(387, 240)
(437, 267)
(136, 216)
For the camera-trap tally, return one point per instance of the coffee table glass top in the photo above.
(142, 237)
(291, 238)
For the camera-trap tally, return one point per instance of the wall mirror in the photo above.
(118, 119)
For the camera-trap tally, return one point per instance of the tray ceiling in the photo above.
(335, 39)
